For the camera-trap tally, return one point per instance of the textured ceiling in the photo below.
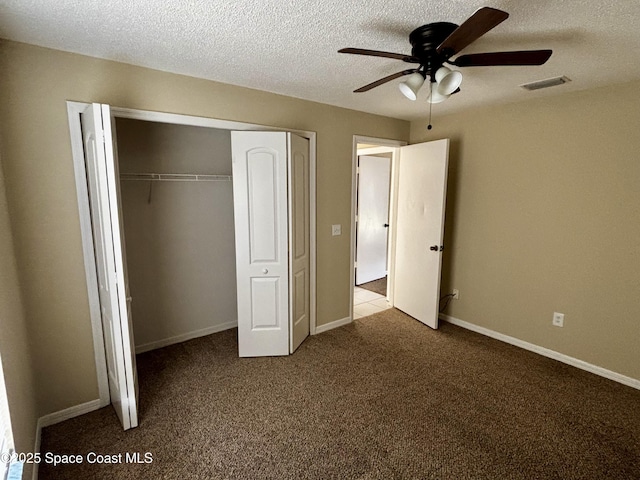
(290, 47)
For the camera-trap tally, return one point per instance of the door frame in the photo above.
(77, 150)
(382, 145)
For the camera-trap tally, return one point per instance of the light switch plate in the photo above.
(336, 230)
(558, 319)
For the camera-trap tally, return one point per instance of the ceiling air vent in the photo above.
(549, 82)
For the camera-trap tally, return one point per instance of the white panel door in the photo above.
(298, 240)
(262, 266)
(374, 175)
(102, 175)
(422, 185)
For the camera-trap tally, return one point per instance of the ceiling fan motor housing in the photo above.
(425, 41)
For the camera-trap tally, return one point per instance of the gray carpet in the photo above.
(382, 398)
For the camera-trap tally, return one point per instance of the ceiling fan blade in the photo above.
(483, 20)
(377, 53)
(377, 83)
(527, 57)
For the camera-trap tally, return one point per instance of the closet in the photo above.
(177, 205)
(190, 226)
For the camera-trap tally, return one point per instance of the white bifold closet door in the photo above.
(422, 188)
(271, 212)
(98, 132)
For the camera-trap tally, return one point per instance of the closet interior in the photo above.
(177, 206)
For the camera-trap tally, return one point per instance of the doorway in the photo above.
(373, 194)
(177, 210)
(117, 352)
(417, 195)
(373, 187)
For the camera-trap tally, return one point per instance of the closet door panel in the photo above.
(101, 163)
(260, 214)
(265, 292)
(262, 190)
(299, 239)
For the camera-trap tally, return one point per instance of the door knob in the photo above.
(385, 225)
(434, 248)
(264, 270)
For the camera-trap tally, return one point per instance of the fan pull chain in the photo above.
(429, 127)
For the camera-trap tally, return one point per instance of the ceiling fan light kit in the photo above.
(411, 85)
(436, 96)
(448, 80)
(437, 43)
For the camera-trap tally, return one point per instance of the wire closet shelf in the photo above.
(175, 177)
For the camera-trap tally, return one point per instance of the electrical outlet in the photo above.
(336, 230)
(456, 294)
(558, 319)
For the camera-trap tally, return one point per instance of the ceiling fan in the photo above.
(435, 44)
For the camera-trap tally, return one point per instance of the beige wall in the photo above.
(14, 348)
(543, 215)
(34, 85)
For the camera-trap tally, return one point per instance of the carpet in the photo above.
(381, 398)
(377, 286)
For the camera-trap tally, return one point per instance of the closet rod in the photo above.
(175, 177)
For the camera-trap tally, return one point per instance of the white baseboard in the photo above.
(331, 325)
(185, 336)
(67, 413)
(561, 357)
(57, 417)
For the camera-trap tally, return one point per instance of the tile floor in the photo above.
(367, 303)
